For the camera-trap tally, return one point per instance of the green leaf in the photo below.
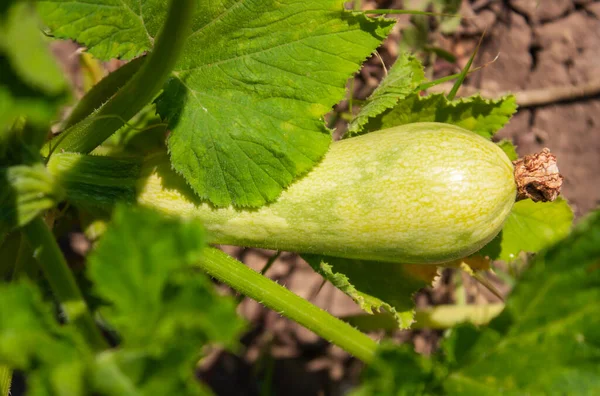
(447, 24)
(25, 192)
(397, 371)
(463, 74)
(530, 227)
(509, 149)
(30, 339)
(143, 267)
(482, 116)
(103, 91)
(144, 134)
(109, 29)
(31, 83)
(403, 79)
(376, 286)
(247, 99)
(546, 340)
(164, 308)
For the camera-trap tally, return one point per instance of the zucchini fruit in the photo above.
(422, 193)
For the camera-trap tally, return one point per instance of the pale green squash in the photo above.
(418, 193)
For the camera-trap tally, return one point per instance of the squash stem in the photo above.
(5, 380)
(276, 297)
(89, 133)
(61, 280)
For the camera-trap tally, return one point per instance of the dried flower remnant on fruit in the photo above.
(537, 177)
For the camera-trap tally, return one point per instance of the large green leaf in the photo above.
(31, 340)
(402, 80)
(546, 341)
(482, 116)
(108, 28)
(530, 227)
(247, 97)
(163, 308)
(143, 266)
(31, 83)
(376, 286)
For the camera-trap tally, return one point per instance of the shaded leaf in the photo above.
(544, 342)
(31, 340)
(149, 278)
(447, 24)
(164, 309)
(403, 78)
(397, 371)
(376, 286)
(109, 29)
(31, 83)
(247, 100)
(530, 227)
(25, 192)
(482, 116)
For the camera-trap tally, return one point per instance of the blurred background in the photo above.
(546, 51)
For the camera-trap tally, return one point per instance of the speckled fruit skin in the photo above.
(421, 193)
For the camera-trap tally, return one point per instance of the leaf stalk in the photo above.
(89, 133)
(61, 280)
(276, 297)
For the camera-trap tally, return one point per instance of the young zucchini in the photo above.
(419, 193)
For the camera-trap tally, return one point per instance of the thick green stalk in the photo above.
(88, 134)
(276, 297)
(62, 282)
(5, 380)
(24, 264)
(95, 181)
(103, 91)
(17, 263)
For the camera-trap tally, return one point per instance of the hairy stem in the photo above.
(61, 280)
(5, 380)
(103, 91)
(88, 134)
(276, 297)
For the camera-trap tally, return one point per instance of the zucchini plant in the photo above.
(213, 133)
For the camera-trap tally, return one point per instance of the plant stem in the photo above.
(61, 280)
(88, 134)
(270, 262)
(103, 91)
(5, 380)
(21, 258)
(276, 297)
(24, 262)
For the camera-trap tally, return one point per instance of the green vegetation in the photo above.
(240, 154)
